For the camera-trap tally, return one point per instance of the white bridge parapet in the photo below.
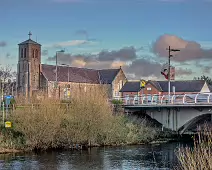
(173, 99)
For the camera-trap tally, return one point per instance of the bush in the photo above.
(88, 119)
(11, 139)
(117, 102)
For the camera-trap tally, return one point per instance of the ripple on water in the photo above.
(106, 158)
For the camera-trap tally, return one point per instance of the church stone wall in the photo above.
(75, 89)
(118, 83)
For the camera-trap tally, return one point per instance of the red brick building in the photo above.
(160, 88)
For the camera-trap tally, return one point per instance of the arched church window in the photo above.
(33, 53)
(24, 52)
(36, 53)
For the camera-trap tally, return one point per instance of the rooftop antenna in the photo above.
(30, 34)
(36, 38)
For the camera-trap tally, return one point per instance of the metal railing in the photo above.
(173, 99)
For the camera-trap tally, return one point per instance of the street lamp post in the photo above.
(68, 69)
(68, 76)
(169, 65)
(2, 98)
(56, 78)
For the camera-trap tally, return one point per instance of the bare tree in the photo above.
(7, 79)
(5, 73)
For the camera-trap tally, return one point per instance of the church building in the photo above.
(59, 81)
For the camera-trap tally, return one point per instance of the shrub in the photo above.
(39, 124)
(86, 119)
(117, 102)
(10, 138)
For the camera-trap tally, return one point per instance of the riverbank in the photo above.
(15, 142)
(5, 151)
(80, 147)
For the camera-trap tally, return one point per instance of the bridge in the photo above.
(178, 112)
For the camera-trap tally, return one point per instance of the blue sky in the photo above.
(119, 27)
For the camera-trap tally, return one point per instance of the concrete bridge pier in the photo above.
(167, 117)
(179, 119)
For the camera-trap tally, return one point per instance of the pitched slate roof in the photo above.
(156, 84)
(131, 86)
(210, 87)
(180, 86)
(183, 86)
(78, 75)
(29, 41)
(108, 75)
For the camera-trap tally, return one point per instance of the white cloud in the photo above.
(69, 43)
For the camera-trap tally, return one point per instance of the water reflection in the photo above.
(108, 158)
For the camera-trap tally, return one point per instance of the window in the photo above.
(126, 95)
(33, 53)
(149, 88)
(36, 53)
(22, 53)
(25, 52)
(120, 84)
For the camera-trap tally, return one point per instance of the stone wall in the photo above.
(67, 90)
(28, 68)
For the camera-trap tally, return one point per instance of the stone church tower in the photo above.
(28, 68)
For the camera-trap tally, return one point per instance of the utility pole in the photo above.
(66, 65)
(2, 98)
(56, 74)
(56, 69)
(169, 65)
(61, 51)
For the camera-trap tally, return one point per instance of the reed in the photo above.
(199, 156)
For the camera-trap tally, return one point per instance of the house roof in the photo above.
(155, 84)
(210, 87)
(78, 75)
(29, 41)
(183, 86)
(180, 86)
(131, 86)
(108, 75)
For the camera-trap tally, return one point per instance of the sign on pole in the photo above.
(172, 73)
(8, 124)
(143, 83)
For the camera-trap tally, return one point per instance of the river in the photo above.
(157, 156)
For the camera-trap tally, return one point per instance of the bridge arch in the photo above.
(194, 122)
